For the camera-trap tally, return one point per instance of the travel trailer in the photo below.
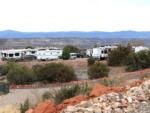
(139, 48)
(12, 54)
(48, 54)
(89, 52)
(73, 55)
(37, 53)
(101, 52)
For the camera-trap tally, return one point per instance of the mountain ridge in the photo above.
(78, 34)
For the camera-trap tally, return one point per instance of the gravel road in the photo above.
(17, 96)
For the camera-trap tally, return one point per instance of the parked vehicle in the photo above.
(102, 52)
(73, 55)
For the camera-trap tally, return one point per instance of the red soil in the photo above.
(99, 90)
(49, 107)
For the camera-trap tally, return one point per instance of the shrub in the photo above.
(98, 70)
(91, 61)
(110, 82)
(139, 60)
(3, 70)
(119, 55)
(19, 74)
(55, 72)
(67, 50)
(67, 92)
(25, 106)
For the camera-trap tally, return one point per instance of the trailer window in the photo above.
(33, 52)
(11, 55)
(5, 54)
(16, 54)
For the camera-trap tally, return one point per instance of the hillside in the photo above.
(68, 34)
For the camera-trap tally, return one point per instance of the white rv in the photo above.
(102, 52)
(140, 48)
(48, 54)
(89, 52)
(12, 54)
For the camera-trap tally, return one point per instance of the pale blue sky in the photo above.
(75, 15)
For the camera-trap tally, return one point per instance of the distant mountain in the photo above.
(94, 34)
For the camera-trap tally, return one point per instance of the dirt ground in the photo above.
(17, 96)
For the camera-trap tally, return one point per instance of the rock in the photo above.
(45, 107)
(29, 111)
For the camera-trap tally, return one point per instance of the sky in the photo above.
(75, 15)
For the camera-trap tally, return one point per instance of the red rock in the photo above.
(136, 83)
(71, 101)
(98, 90)
(45, 107)
(29, 111)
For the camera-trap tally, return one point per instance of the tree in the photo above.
(67, 50)
(29, 47)
(98, 70)
(119, 55)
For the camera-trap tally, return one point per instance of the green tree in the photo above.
(29, 47)
(98, 70)
(119, 55)
(67, 50)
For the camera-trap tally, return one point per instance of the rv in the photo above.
(48, 54)
(102, 51)
(73, 55)
(139, 48)
(12, 54)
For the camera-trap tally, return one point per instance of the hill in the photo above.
(73, 34)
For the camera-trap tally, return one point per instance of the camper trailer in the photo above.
(139, 48)
(48, 54)
(102, 52)
(12, 54)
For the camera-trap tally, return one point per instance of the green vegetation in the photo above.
(55, 72)
(91, 61)
(19, 74)
(139, 60)
(67, 50)
(110, 82)
(25, 106)
(67, 92)
(29, 47)
(98, 70)
(119, 55)
(3, 70)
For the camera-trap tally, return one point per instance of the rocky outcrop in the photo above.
(135, 100)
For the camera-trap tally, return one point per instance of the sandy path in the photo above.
(17, 96)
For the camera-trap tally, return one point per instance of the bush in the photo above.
(25, 106)
(91, 61)
(98, 70)
(67, 50)
(55, 72)
(3, 70)
(139, 60)
(19, 74)
(119, 55)
(110, 82)
(67, 92)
